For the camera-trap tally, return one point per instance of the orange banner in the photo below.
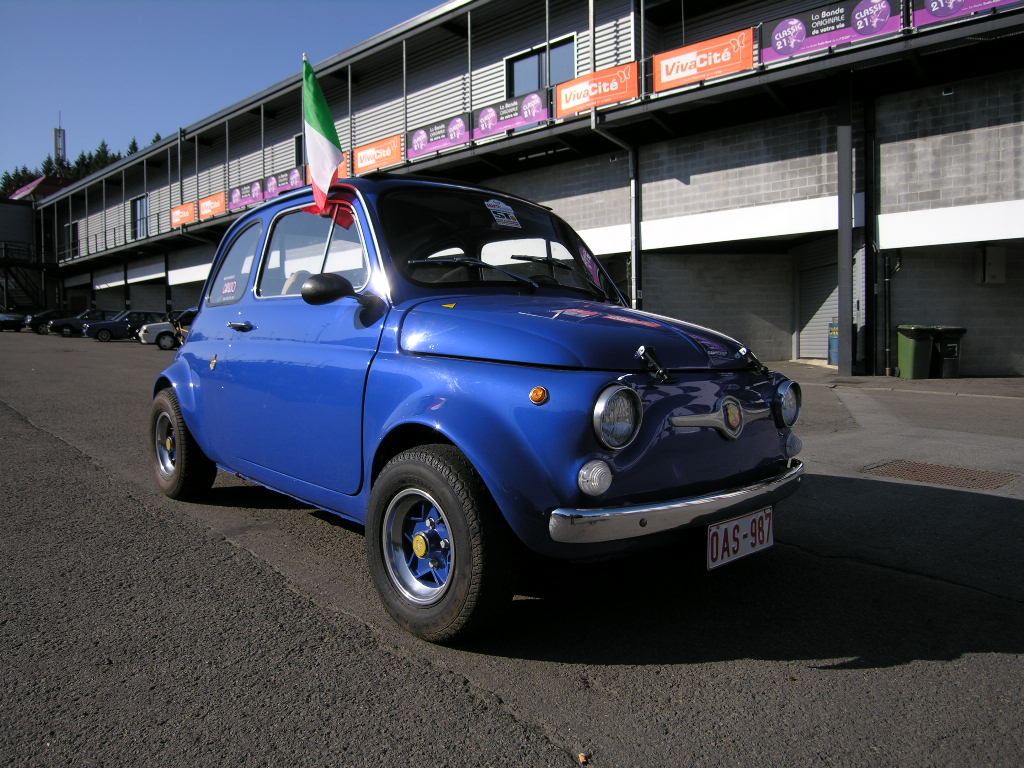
(213, 205)
(609, 86)
(183, 214)
(710, 58)
(380, 154)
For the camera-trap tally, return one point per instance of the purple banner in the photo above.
(437, 136)
(519, 112)
(247, 194)
(933, 11)
(281, 182)
(829, 26)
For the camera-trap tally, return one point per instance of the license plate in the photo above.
(732, 539)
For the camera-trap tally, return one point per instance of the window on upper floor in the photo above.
(528, 71)
(140, 217)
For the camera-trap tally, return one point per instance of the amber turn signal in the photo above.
(538, 396)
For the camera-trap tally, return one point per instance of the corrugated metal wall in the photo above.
(378, 109)
(437, 77)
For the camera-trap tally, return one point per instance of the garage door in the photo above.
(819, 304)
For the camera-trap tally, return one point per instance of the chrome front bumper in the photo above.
(589, 526)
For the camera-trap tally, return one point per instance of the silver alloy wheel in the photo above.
(421, 577)
(166, 444)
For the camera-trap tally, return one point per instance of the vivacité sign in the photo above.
(719, 56)
(379, 154)
(607, 86)
(829, 26)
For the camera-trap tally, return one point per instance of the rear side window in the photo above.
(233, 275)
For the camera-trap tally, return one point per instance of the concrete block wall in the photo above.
(936, 286)
(761, 162)
(964, 148)
(587, 193)
(748, 297)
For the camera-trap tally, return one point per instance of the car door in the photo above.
(288, 379)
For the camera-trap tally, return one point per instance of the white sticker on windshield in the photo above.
(503, 214)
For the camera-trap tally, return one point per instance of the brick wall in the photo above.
(748, 297)
(761, 162)
(936, 286)
(964, 148)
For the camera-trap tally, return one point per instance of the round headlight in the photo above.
(617, 415)
(786, 404)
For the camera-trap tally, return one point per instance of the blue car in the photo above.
(454, 369)
(123, 325)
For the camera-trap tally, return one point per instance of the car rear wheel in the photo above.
(165, 341)
(103, 334)
(437, 547)
(183, 471)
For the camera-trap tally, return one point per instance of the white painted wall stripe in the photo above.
(959, 224)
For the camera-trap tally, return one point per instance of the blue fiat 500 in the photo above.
(454, 369)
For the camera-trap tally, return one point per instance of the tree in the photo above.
(133, 146)
(156, 137)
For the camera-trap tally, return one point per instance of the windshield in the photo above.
(463, 238)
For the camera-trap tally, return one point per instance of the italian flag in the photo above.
(323, 150)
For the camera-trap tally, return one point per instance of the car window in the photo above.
(296, 251)
(233, 275)
(347, 254)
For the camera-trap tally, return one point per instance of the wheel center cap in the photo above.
(169, 444)
(419, 545)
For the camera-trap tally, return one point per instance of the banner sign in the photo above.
(379, 154)
(212, 205)
(528, 109)
(608, 86)
(710, 58)
(246, 194)
(444, 134)
(183, 214)
(281, 182)
(933, 11)
(828, 26)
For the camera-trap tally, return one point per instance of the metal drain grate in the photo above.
(939, 474)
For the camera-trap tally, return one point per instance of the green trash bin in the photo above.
(914, 350)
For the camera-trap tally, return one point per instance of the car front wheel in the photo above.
(183, 471)
(437, 547)
(103, 335)
(165, 341)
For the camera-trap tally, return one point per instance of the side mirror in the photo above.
(327, 287)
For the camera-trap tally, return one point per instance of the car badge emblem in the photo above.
(449, 306)
(733, 417)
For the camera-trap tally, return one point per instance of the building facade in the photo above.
(767, 168)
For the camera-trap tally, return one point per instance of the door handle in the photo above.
(244, 326)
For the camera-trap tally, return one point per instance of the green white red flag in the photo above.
(323, 149)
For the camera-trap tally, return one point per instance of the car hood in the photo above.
(562, 332)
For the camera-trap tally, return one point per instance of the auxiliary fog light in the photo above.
(793, 446)
(595, 477)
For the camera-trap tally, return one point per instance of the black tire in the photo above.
(42, 330)
(476, 566)
(182, 470)
(102, 335)
(166, 341)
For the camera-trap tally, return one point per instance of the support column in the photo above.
(844, 260)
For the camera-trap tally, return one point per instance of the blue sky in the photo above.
(114, 69)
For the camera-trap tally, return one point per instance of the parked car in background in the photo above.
(37, 321)
(452, 368)
(72, 326)
(123, 326)
(169, 332)
(10, 321)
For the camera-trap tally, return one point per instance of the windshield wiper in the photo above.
(476, 263)
(593, 290)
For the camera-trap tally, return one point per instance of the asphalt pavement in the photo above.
(886, 628)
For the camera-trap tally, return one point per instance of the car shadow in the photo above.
(831, 593)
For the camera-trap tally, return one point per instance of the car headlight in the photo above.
(617, 415)
(786, 403)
